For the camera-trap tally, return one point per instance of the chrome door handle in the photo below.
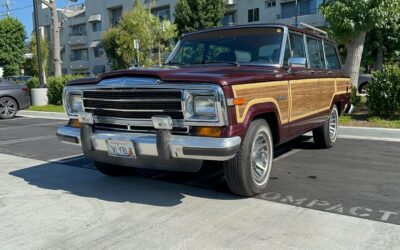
(281, 98)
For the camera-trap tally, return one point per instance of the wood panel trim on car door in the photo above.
(281, 94)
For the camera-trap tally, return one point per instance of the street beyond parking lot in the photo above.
(49, 192)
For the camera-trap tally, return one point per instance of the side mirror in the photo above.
(297, 62)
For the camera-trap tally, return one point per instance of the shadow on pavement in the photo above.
(89, 183)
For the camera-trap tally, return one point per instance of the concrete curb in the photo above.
(43, 115)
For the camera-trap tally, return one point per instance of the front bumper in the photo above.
(148, 145)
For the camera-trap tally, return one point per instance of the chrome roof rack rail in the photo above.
(314, 29)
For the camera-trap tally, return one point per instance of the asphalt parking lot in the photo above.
(358, 178)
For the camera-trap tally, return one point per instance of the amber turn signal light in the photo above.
(209, 131)
(238, 101)
(74, 123)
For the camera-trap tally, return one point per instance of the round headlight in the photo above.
(204, 106)
(75, 103)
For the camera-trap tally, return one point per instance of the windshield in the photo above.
(247, 46)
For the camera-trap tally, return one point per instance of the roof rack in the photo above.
(314, 29)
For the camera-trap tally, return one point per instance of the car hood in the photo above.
(206, 74)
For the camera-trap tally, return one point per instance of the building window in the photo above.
(98, 51)
(304, 7)
(115, 16)
(253, 15)
(79, 55)
(229, 19)
(96, 26)
(78, 30)
(271, 3)
(164, 13)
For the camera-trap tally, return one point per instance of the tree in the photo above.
(381, 46)
(139, 23)
(191, 15)
(12, 45)
(44, 52)
(56, 36)
(349, 21)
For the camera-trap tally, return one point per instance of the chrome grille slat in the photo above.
(136, 110)
(133, 100)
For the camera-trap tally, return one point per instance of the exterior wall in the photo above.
(81, 15)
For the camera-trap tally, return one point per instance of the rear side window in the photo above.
(332, 59)
(297, 46)
(315, 53)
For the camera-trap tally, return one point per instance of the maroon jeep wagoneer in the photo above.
(226, 94)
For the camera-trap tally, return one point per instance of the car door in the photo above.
(303, 88)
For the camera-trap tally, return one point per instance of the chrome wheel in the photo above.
(261, 158)
(333, 124)
(8, 107)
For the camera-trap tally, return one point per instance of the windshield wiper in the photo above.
(221, 62)
(176, 64)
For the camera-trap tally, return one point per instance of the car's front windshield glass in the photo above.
(249, 46)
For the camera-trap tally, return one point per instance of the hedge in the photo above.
(55, 86)
(384, 92)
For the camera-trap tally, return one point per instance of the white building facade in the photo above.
(83, 25)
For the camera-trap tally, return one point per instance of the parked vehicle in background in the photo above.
(19, 79)
(13, 97)
(226, 94)
(363, 81)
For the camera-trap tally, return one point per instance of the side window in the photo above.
(297, 42)
(288, 54)
(332, 59)
(315, 53)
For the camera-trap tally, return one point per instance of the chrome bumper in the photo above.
(146, 145)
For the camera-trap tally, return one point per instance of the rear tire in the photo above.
(112, 170)
(247, 174)
(326, 135)
(8, 108)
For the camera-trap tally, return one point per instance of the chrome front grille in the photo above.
(118, 106)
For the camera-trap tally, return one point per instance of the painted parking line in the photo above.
(32, 125)
(26, 140)
(66, 159)
(370, 138)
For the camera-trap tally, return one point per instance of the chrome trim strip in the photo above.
(135, 110)
(132, 100)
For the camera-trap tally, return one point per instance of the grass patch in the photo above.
(48, 108)
(361, 118)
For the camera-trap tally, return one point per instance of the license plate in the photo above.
(123, 149)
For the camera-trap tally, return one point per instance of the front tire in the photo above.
(8, 108)
(326, 135)
(247, 174)
(111, 170)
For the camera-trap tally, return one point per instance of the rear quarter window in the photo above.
(332, 58)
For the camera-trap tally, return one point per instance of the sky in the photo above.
(22, 9)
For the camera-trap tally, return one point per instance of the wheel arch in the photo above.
(269, 112)
(9, 96)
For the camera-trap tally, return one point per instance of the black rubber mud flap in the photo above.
(163, 137)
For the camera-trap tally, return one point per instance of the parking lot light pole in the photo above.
(38, 51)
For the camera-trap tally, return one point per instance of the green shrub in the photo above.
(33, 83)
(355, 98)
(384, 92)
(55, 86)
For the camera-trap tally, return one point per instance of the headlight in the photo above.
(204, 106)
(201, 105)
(75, 103)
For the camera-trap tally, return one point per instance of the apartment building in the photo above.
(82, 51)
